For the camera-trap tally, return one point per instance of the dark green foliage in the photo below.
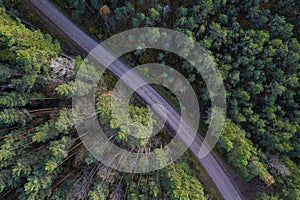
(175, 182)
(9, 117)
(15, 99)
(99, 191)
(54, 127)
(255, 47)
(139, 122)
(31, 146)
(258, 56)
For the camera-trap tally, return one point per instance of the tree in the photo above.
(100, 191)
(137, 122)
(29, 144)
(182, 184)
(79, 6)
(241, 152)
(10, 117)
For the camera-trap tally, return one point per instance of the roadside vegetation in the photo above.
(255, 45)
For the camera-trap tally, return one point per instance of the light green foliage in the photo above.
(183, 185)
(256, 52)
(103, 105)
(90, 159)
(31, 148)
(162, 157)
(174, 182)
(36, 184)
(139, 122)
(12, 116)
(54, 127)
(100, 191)
(59, 151)
(255, 49)
(15, 99)
(64, 121)
(66, 89)
(22, 167)
(241, 152)
(29, 46)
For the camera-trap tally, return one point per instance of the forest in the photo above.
(255, 45)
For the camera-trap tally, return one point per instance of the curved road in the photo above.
(147, 93)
